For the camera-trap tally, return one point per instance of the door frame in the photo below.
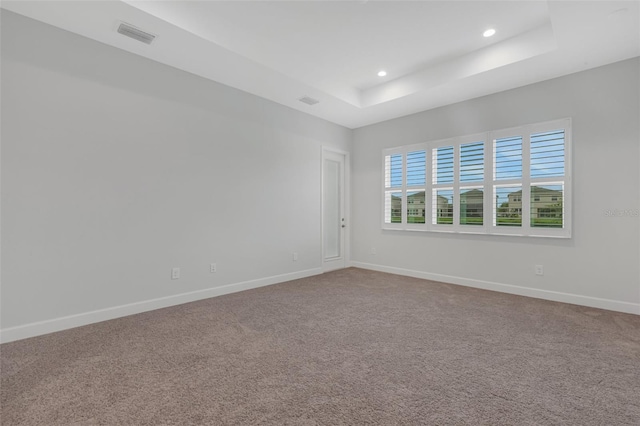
(347, 207)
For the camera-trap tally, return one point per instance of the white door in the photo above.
(333, 211)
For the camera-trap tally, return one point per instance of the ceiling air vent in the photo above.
(135, 33)
(308, 100)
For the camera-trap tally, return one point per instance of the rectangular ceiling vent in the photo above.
(308, 100)
(135, 33)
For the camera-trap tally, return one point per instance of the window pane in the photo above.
(508, 158)
(547, 154)
(415, 207)
(443, 165)
(471, 206)
(416, 168)
(393, 171)
(443, 206)
(393, 207)
(547, 206)
(508, 207)
(472, 162)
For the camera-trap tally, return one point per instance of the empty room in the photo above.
(320, 212)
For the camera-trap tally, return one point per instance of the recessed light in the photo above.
(489, 32)
(382, 73)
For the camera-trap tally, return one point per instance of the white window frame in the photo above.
(487, 185)
(404, 188)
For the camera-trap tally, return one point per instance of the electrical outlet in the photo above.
(175, 273)
(295, 257)
(539, 270)
(213, 268)
(373, 251)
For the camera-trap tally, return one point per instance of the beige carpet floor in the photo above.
(350, 347)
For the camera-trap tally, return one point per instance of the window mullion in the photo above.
(403, 212)
(428, 189)
(526, 181)
(456, 185)
(487, 215)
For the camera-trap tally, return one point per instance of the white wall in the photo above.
(116, 168)
(599, 266)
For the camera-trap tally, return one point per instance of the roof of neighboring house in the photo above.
(473, 193)
(537, 190)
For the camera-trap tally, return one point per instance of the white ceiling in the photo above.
(433, 51)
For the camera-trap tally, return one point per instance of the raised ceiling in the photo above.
(433, 51)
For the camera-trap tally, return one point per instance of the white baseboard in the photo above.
(72, 321)
(576, 299)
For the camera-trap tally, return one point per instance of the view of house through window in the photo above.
(508, 208)
(415, 207)
(511, 181)
(472, 206)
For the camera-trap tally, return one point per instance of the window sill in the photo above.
(470, 232)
